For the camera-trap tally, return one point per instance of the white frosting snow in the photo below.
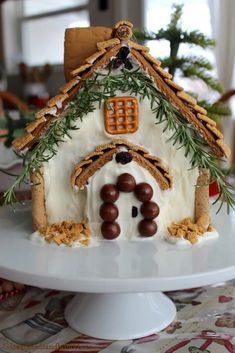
(181, 242)
(65, 203)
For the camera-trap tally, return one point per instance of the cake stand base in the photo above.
(120, 316)
(114, 268)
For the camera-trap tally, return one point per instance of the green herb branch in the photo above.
(95, 92)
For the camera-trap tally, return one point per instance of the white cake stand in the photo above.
(120, 282)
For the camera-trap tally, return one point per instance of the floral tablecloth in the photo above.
(33, 321)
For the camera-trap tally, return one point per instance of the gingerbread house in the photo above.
(111, 151)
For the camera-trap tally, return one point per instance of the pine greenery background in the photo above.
(193, 67)
(190, 66)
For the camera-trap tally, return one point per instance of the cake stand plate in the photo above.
(120, 283)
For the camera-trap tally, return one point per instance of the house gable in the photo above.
(107, 50)
(79, 154)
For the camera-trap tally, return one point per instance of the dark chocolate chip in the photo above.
(117, 63)
(134, 212)
(128, 65)
(123, 53)
(123, 157)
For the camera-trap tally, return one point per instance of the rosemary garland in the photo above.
(97, 90)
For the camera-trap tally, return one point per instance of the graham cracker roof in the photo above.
(104, 153)
(106, 51)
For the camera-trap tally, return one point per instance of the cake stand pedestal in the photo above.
(120, 316)
(120, 283)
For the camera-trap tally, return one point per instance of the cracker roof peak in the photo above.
(106, 50)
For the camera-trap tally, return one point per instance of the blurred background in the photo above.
(32, 40)
(32, 31)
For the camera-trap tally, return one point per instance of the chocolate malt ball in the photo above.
(147, 228)
(109, 212)
(143, 192)
(149, 210)
(109, 193)
(126, 182)
(110, 230)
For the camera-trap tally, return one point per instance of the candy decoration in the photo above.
(124, 157)
(126, 182)
(110, 230)
(128, 65)
(134, 212)
(122, 58)
(147, 228)
(109, 193)
(109, 212)
(117, 63)
(143, 192)
(149, 210)
(123, 53)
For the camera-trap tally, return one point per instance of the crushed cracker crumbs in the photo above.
(67, 232)
(188, 230)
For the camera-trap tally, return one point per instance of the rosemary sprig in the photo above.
(94, 93)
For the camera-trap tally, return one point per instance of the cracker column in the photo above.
(202, 207)
(38, 200)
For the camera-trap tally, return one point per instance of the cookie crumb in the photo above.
(67, 232)
(187, 229)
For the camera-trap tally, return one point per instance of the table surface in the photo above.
(114, 266)
(33, 322)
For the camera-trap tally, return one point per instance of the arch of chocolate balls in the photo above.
(110, 229)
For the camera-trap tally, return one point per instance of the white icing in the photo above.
(63, 202)
(37, 238)
(53, 111)
(122, 148)
(181, 242)
(60, 102)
